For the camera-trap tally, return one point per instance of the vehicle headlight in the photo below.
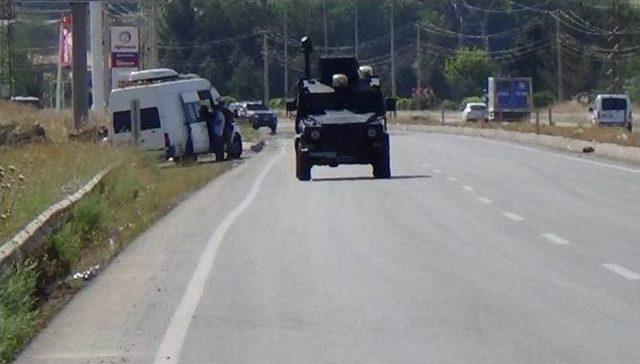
(315, 134)
(372, 133)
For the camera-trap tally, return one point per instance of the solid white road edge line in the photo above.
(622, 271)
(588, 161)
(512, 216)
(171, 345)
(555, 239)
(485, 200)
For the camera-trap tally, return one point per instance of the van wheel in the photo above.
(235, 149)
(629, 127)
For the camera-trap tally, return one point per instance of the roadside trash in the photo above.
(588, 150)
(86, 275)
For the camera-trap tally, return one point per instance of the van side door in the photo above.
(196, 124)
(151, 135)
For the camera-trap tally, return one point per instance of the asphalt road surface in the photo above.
(476, 251)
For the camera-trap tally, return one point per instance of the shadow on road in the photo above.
(368, 178)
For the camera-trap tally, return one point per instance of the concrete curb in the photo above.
(34, 234)
(619, 152)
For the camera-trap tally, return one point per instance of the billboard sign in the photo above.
(66, 42)
(125, 47)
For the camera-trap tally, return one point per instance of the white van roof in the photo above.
(152, 74)
(612, 96)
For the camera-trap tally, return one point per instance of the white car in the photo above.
(475, 111)
(612, 110)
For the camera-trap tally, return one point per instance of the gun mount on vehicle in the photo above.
(340, 117)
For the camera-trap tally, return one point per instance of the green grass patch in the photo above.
(17, 308)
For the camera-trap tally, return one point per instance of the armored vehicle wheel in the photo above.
(382, 164)
(303, 168)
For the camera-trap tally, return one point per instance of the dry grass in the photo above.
(51, 172)
(57, 124)
(408, 118)
(570, 107)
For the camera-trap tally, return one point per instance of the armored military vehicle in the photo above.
(340, 117)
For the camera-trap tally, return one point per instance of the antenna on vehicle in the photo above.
(307, 49)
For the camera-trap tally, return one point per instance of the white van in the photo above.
(612, 110)
(159, 109)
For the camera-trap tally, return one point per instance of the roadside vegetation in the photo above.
(36, 175)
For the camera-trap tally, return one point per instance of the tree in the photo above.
(467, 72)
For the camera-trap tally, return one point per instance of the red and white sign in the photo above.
(66, 42)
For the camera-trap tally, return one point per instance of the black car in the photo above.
(260, 116)
(341, 118)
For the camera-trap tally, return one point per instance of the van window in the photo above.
(122, 122)
(149, 118)
(614, 104)
(192, 110)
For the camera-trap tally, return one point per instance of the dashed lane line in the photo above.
(485, 200)
(512, 216)
(556, 239)
(622, 271)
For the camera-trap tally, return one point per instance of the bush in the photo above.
(66, 245)
(448, 105)
(277, 103)
(91, 215)
(17, 308)
(404, 104)
(543, 99)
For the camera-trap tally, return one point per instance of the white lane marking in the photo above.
(425, 165)
(467, 188)
(556, 239)
(622, 271)
(588, 161)
(512, 216)
(171, 345)
(437, 171)
(485, 200)
(452, 179)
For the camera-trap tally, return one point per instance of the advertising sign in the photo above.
(125, 47)
(66, 42)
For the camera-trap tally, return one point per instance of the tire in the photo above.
(629, 127)
(303, 168)
(382, 164)
(234, 151)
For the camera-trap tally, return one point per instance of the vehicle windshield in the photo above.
(614, 104)
(358, 102)
(257, 107)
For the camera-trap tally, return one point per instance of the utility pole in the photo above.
(265, 67)
(7, 15)
(559, 60)
(286, 55)
(97, 63)
(355, 4)
(393, 53)
(418, 57)
(79, 68)
(324, 25)
(615, 40)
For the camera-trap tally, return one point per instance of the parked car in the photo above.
(475, 111)
(159, 109)
(260, 116)
(614, 110)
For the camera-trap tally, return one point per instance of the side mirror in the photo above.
(390, 104)
(292, 105)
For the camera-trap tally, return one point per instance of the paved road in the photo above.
(476, 251)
